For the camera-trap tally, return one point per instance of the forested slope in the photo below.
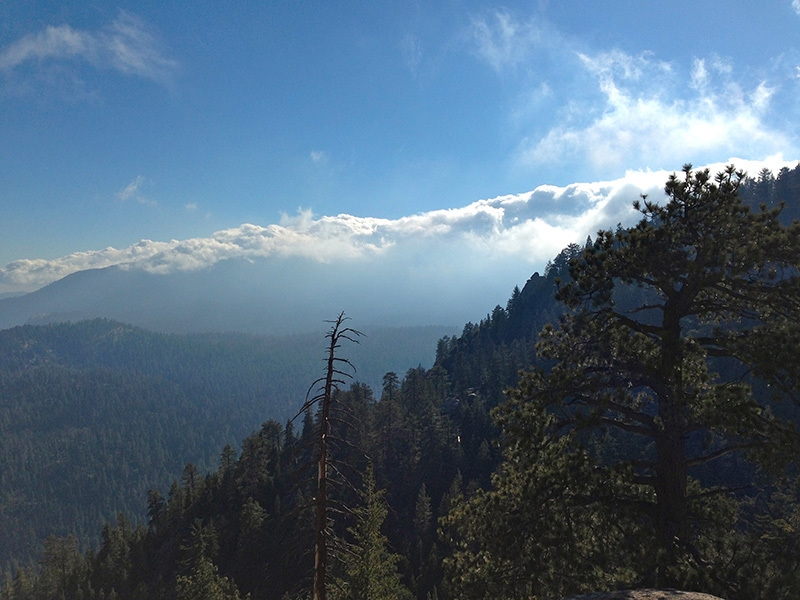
(250, 516)
(94, 414)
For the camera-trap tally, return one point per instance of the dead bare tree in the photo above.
(325, 388)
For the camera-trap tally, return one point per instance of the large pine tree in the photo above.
(675, 322)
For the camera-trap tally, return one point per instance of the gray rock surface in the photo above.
(646, 595)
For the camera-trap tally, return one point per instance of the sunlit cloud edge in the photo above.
(528, 228)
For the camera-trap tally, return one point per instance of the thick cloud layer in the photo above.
(499, 241)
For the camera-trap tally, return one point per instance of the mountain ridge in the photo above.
(237, 295)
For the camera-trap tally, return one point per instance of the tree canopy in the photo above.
(680, 351)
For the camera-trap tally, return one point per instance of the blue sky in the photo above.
(133, 128)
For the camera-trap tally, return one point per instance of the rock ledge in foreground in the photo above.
(646, 595)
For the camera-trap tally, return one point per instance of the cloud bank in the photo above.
(502, 239)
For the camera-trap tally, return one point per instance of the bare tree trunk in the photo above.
(336, 334)
(672, 521)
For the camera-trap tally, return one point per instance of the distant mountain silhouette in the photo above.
(291, 296)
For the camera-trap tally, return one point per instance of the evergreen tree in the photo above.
(370, 569)
(652, 386)
(544, 530)
(205, 583)
(64, 570)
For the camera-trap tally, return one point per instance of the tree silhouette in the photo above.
(326, 386)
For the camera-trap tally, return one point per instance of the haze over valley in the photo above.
(442, 267)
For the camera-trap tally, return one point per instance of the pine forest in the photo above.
(628, 419)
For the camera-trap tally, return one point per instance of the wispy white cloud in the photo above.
(133, 49)
(126, 45)
(134, 191)
(796, 6)
(318, 157)
(502, 40)
(488, 239)
(411, 49)
(60, 42)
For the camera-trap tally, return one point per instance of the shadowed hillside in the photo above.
(93, 414)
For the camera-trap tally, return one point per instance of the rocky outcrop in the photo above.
(646, 595)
